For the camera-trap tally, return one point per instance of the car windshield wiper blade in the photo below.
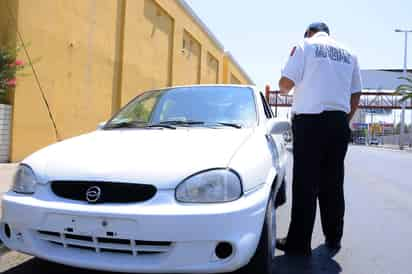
(128, 124)
(161, 126)
(181, 123)
(228, 124)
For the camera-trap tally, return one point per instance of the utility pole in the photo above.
(405, 74)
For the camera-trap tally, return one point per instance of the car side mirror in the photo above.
(278, 127)
(101, 125)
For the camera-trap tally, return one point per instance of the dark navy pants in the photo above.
(320, 143)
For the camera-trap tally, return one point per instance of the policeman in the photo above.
(327, 88)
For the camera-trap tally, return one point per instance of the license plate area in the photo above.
(92, 226)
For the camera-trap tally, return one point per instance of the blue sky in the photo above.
(261, 33)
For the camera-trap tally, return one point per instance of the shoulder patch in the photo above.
(293, 51)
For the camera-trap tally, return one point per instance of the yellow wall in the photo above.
(148, 47)
(234, 79)
(232, 73)
(7, 27)
(183, 65)
(212, 70)
(75, 43)
(190, 50)
(95, 55)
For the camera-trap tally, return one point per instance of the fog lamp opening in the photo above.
(224, 250)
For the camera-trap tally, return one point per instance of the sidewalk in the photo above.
(6, 176)
(394, 147)
(386, 146)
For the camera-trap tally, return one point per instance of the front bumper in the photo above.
(75, 232)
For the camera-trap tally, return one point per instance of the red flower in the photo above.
(12, 82)
(16, 63)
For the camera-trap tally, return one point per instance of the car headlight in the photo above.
(24, 180)
(213, 186)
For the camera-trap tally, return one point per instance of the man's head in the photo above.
(316, 27)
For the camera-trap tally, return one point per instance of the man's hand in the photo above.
(354, 104)
(285, 85)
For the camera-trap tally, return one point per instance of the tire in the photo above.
(262, 261)
(281, 195)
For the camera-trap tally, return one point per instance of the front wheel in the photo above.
(262, 261)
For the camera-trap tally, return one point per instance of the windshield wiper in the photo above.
(129, 124)
(181, 123)
(229, 124)
(161, 126)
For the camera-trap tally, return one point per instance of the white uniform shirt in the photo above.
(325, 75)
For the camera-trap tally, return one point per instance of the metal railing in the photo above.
(369, 100)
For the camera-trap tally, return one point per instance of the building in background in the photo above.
(359, 117)
(93, 56)
(382, 121)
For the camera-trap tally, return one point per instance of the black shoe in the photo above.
(281, 245)
(333, 244)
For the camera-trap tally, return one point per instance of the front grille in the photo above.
(129, 247)
(109, 192)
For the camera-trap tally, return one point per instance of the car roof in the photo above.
(207, 85)
(253, 87)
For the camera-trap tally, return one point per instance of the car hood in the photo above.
(159, 157)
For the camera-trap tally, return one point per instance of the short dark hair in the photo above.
(317, 27)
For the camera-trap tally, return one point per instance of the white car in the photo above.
(374, 141)
(181, 180)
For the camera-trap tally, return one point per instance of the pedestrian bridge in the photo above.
(369, 100)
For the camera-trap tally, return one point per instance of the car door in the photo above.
(278, 144)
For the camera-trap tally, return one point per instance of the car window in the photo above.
(138, 112)
(208, 104)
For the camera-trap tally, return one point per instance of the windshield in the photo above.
(190, 106)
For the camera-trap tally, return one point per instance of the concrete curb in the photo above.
(390, 148)
(384, 147)
(407, 150)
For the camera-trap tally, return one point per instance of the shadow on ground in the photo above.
(37, 266)
(321, 262)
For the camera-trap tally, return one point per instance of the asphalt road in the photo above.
(378, 230)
